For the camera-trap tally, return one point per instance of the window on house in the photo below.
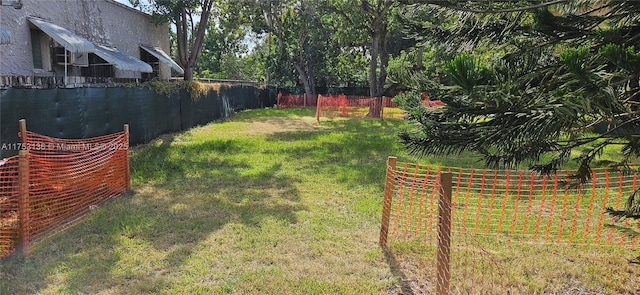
(36, 48)
(59, 57)
(97, 67)
(155, 65)
(40, 50)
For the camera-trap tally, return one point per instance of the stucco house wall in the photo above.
(103, 22)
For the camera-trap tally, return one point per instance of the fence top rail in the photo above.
(420, 169)
(61, 148)
(103, 138)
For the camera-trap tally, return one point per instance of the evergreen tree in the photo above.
(530, 83)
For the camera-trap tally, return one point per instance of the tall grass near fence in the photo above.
(495, 210)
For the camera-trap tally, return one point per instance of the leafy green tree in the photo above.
(542, 76)
(228, 42)
(297, 39)
(346, 67)
(370, 20)
(191, 19)
(224, 44)
(407, 68)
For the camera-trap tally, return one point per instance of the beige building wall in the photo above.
(104, 22)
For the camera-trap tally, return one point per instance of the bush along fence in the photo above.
(53, 182)
(437, 205)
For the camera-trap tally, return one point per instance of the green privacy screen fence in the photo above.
(89, 112)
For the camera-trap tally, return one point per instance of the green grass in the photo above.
(496, 240)
(358, 112)
(267, 202)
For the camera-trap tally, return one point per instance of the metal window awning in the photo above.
(5, 36)
(121, 60)
(163, 57)
(66, 38)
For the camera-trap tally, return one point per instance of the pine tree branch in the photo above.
(446, 4)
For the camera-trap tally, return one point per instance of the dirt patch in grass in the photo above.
(271, 125)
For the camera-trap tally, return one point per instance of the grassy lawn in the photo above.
(268, 202)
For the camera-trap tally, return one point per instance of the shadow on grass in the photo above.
(196, 192)
(159, 161)
(354, 152)
(360, 146)
(250, 115)
(396, 269)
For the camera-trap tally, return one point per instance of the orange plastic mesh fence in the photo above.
(516, 206)
(66, 179)
(45, 145)
(9, 223)
(292, 100)
(352, 106)
(492, 210)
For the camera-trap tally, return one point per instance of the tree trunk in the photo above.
(634, 87)
(377, 69)
(188, 73)
(189, 47)
(378, 12)
(373, 65)
(311, 96)
(305, 79)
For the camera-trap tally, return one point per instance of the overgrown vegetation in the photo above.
(194, 88)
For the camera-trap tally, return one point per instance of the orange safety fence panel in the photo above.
(45, 145)
(495, 210)
(292, 100)
(354, 106)
(67, 179)
(9, 222)
(70, 177)
(517, 206)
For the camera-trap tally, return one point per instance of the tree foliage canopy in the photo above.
(530, 83)
(191, 19)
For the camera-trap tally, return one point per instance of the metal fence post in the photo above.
(388, 197)
(443, 262)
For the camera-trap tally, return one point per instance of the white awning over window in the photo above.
(121, 60)
(5, 36)
(163, 57)
(66, 38)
